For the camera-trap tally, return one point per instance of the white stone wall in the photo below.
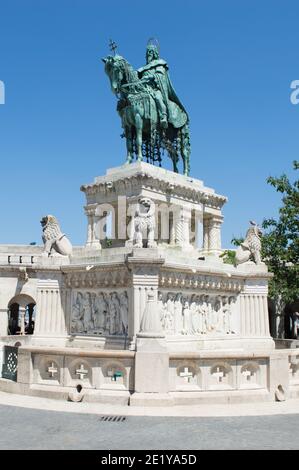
(218, 374)
(100, 373)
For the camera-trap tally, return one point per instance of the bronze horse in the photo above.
(140, 120)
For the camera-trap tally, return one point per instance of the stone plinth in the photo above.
(151, 366)
(182, 203)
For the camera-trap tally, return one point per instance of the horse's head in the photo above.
(115, 69)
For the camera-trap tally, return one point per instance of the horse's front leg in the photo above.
(186, 164)
(138, 125)
(174, 164)
(129, 142)
(185, 149)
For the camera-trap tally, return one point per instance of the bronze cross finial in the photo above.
(112, 46)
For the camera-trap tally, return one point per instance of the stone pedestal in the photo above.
(178, 201)
(152, 357)
(212, 234)
(152, 366)
(159, 322)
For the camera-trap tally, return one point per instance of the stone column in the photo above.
(215, 236)
(254, 320)
(3, 322)
(212, 234)
(206, 225)
(89, 230)
(172, 228)
(195, 227)
(51, 310)
(92, 220)
(182, 228)
(22, 312)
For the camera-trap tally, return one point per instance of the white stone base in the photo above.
(152, 399)
(160, 378)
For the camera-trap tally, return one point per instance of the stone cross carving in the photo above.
(52, 370)
(114, 375)
(248, 374)
(186, 374)
(219, 374)
(81, 372)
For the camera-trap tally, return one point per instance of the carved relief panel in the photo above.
(197, 314)
(100, 313)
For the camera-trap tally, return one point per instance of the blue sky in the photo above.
(231, 63)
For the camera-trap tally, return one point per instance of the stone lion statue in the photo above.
(144, 223)
(53, 238)
(251, 246)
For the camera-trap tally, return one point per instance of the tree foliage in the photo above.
(280, 243)
(229, 256)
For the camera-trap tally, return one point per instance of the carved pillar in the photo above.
(92, 220)
(152, 357)
(182, 227)
(3, 321)
(215, 236)
(254, 320)
(145, 270)
(195, 229)
(171, 228)
(206, 224)
(22, 311)
(89, 230)
(51, 310)
(212, 235)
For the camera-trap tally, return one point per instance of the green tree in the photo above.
(280, 243)
(229, 256)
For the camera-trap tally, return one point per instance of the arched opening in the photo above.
(21, 316)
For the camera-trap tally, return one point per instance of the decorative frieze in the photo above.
(124, 185)
(178, 279)
(93, 279)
